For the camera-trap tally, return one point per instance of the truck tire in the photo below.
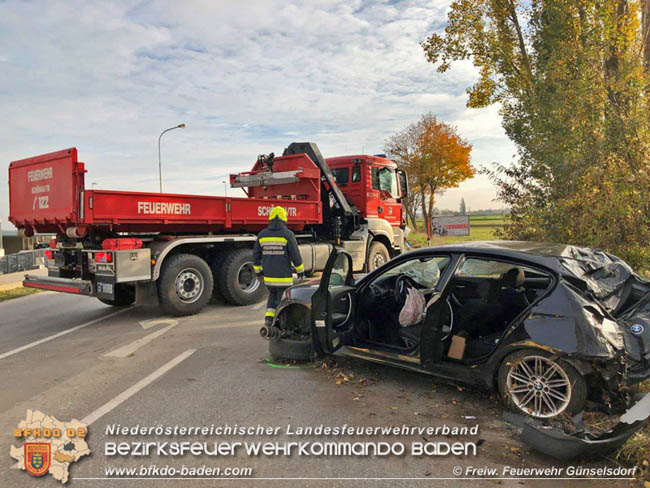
(290, 349)
(238, 283)
(185, 285)
(377, 256)
(124, 296)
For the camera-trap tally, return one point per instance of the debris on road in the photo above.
(584, 435)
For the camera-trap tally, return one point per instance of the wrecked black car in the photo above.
(553, 327)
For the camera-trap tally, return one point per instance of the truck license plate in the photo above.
(106, 288)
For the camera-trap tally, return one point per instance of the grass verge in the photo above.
(17, 293)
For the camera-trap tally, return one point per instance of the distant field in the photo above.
(482, 228)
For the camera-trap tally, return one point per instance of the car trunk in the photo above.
(623, 295)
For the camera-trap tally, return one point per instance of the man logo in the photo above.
(637, 329)
(37, 458)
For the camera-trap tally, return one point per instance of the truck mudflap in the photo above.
(65, 285)
(582, 443)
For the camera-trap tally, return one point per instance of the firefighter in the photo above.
(274, 252)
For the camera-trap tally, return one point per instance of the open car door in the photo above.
(333, 305)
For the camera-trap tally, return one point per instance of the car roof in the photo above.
(543, 249)
(542, 253)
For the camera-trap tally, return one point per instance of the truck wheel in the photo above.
(378, 256)
(237, 280)
(185, 285)
(124, 296)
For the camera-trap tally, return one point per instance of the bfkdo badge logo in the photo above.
(49, 446)
(37, 457)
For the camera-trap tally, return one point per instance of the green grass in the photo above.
(481, 228)
(17, 293)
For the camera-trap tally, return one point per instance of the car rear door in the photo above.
(333, 305)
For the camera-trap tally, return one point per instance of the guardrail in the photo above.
(21, 261)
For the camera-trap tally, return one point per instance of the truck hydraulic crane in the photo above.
(181, 250)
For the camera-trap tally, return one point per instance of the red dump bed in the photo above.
(45, 190)
(47, 194)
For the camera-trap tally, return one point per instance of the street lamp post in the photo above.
(179, 126)
(225, 187)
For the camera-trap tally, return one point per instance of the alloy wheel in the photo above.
(538, 386)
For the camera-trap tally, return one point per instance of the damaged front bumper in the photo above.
(582, 443)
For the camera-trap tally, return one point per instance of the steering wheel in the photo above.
(376, 291)
(451, 322)
(402, 284)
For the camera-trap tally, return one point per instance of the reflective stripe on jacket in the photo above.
(274, 252)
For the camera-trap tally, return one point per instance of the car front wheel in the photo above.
(296, 344)
(533, 383)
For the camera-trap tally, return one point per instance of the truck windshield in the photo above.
(384, 179)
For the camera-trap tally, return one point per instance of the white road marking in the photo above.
(259, 305)
(59, 334)
(124, 351)
(148, 324)
(129, 392)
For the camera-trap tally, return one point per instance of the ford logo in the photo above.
(637, 329)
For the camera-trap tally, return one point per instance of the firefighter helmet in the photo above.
(278, 212)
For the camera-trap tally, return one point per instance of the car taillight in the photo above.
(49, 254)
(104, 257)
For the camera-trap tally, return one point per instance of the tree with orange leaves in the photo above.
(434, 156)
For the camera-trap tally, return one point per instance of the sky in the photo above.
(247, 77)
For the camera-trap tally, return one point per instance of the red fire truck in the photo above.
(123, 246)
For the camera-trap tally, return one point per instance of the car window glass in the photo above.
(424, 271)
(356, 174)
(339, 271)
(487, 268)
(483, 268)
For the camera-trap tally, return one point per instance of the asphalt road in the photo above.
(75, 358)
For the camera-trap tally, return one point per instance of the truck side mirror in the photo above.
(403, 183)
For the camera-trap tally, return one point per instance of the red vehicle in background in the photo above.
(182, 249)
